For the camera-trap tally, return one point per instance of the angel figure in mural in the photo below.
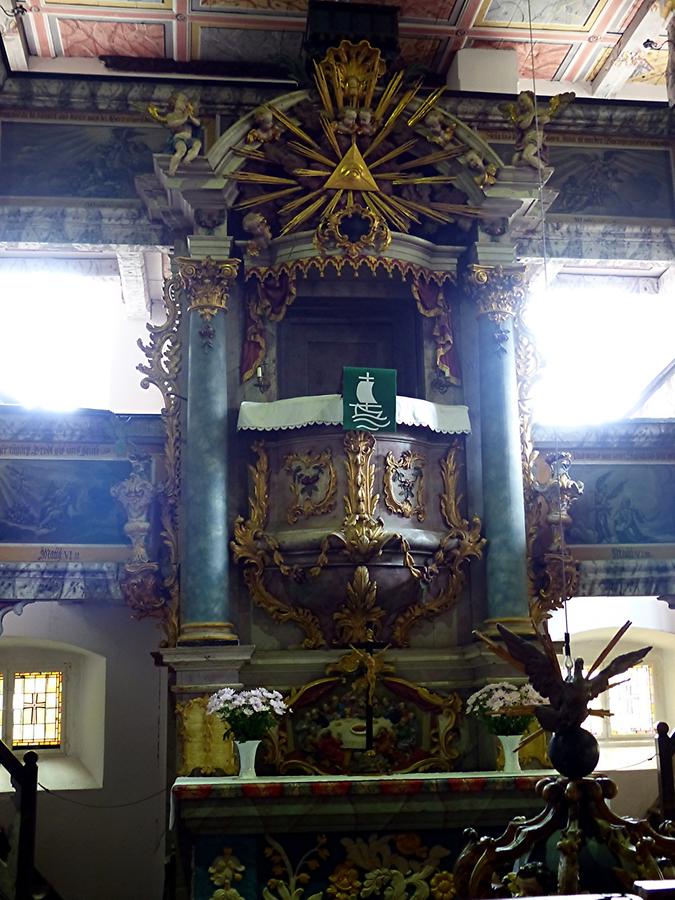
(182, 122)
(529, 120)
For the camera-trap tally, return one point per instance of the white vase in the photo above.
(247, 751)
(509, 743)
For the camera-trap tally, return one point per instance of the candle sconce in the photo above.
(261, 380)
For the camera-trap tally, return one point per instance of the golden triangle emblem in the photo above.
(352, 174)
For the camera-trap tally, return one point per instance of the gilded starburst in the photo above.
(353, 158)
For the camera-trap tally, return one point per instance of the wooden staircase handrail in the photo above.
(24, 781)
(665, 755)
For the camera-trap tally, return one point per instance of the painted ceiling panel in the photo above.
(572, 14)
(277, 6)
(419, 51)
(87, 37)
(571, 39)
(547, 57)
(246, 45)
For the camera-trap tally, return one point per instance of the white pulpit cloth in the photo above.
(326, 409)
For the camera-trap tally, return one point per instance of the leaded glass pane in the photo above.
(37, 708)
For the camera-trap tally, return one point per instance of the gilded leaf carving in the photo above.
(358, 620)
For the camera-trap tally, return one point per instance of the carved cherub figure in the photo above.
(366, 124)
(347, 123)
(568, 699)
(256, 225)
(439, 131)
(182, 122)
(265, 129)
(529, 120)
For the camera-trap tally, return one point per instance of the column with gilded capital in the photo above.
(205, 577)
(498, 292)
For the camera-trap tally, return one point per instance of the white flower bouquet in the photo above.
(250, 713)
(490, 705)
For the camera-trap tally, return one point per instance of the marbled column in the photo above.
(498, 293)
(205, 587)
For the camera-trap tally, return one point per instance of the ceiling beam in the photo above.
(618, 67)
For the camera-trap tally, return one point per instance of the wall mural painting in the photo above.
(612, 181)
(64, 501)
(624, 504)
(76, 160)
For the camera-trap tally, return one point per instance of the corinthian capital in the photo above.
(207, 283)
(499, 292)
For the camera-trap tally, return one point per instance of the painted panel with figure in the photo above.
(624, 504)
(612, 181)
(50, 159)
(61, 501)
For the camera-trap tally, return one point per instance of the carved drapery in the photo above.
(269, 293)
(361, 540)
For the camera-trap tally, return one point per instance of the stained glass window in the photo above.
(37, 709)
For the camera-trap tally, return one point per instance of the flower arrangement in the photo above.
(249, 714)
(490, 703)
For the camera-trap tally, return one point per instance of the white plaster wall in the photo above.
(107, 853)
(592, 622)
(126, 394)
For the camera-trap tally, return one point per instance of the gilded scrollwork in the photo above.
(163, 352)
(256, 549)
(404, 484)
(207, 283)
(359, 619)
(462, 542)
(560, 571)
(313, 484)
(141, 587)
(361, 540)
(330, 234)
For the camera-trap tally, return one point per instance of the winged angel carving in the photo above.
(568, 698)
(528, 121)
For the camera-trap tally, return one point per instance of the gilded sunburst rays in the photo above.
(346, 161)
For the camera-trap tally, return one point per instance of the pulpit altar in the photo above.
(358, 224)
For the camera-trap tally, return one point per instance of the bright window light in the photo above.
(56, 339)
(600, 348)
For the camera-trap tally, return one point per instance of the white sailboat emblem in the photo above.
(368, 413)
